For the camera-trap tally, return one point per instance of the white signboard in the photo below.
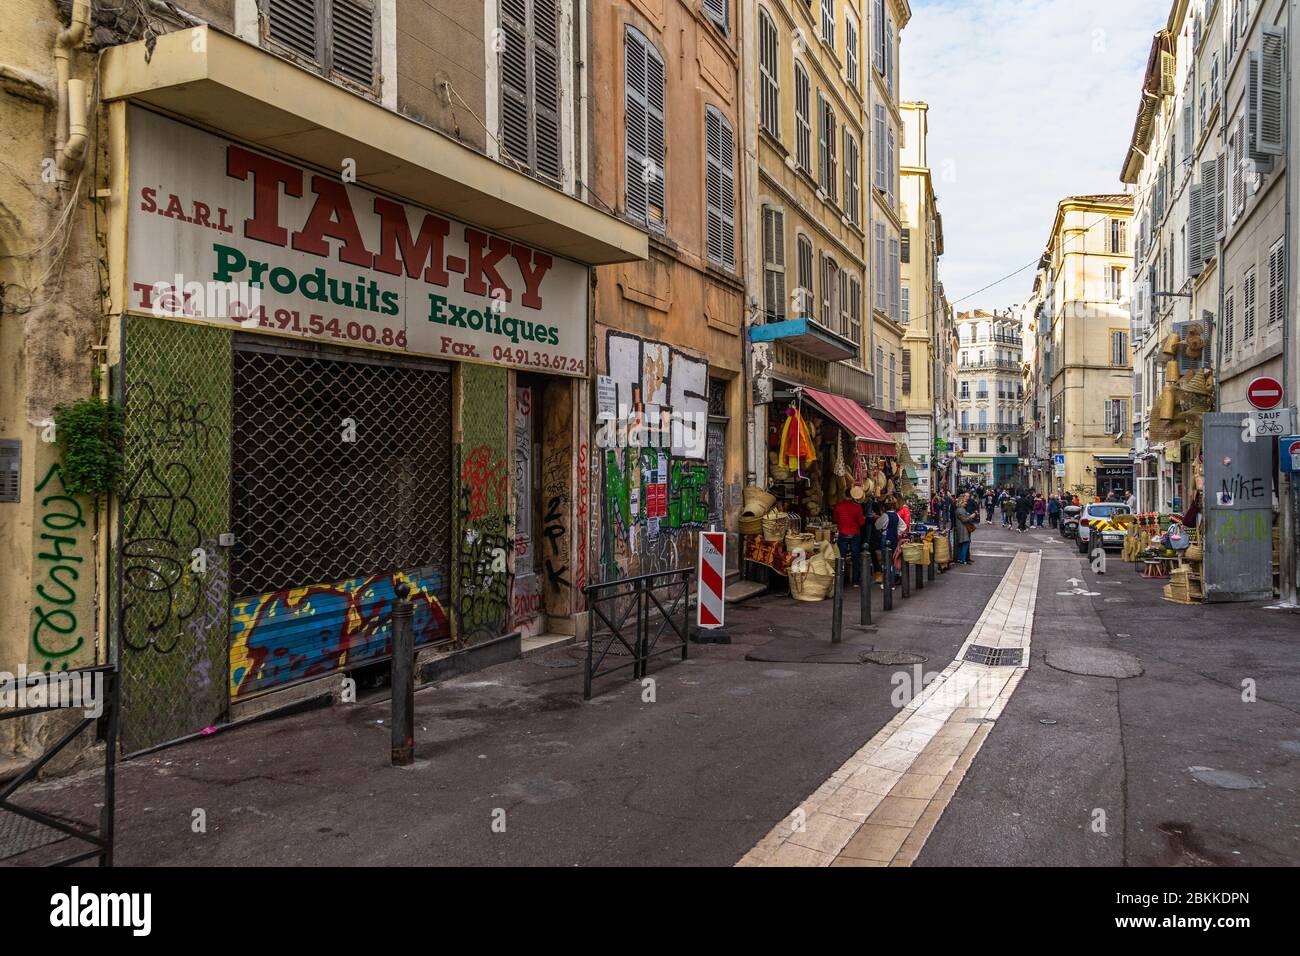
(1058, 464)
(214, 226)
(1271, 424)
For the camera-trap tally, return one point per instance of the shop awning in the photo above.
(232, 87)
(853, 418)
(810, 337)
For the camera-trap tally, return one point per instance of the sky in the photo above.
(1030, 101)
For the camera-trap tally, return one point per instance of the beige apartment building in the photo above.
(1087, 359)
(885, 223)
(989, 394)
(920, 294)
(809, 79)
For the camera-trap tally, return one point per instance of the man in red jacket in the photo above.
(849, 520)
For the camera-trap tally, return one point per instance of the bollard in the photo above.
(934, 563)
(920, 576)
(403, 679)
(907, 581)
(864, 595)
(887, 577)
(837, 603)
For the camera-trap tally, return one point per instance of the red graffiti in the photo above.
(481, 482)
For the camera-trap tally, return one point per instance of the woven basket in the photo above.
(757, 502)
(914, 553)
(810, 585)
(1194, 553)
(800, 542)
(775, 525)
(942, 550)
(750, 525)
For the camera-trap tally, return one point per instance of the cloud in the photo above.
(1030, 101)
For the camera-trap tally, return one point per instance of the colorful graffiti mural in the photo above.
(308, 631)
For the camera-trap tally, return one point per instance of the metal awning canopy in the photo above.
(853, 418)
(248, 94)
(810, 337)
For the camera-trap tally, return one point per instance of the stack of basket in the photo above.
(1184, 585)
(757, 503)
(942, 550)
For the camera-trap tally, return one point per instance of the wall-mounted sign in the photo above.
(222, 234)
(1264, 393)
(1272, 424)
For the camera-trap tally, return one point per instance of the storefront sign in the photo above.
(225, 235)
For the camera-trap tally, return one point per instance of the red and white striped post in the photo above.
(710, 587)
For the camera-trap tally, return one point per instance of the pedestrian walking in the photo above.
(849, 520)
(1024, 504)
(1008, 508)
(1040, 510)
(962, 530)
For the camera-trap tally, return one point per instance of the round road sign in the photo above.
(1265, 393)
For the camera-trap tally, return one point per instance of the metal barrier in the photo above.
(628, 609)
(24, 829)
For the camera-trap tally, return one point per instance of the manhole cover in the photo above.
(1094, 662)
(890, 658)
(994, 656)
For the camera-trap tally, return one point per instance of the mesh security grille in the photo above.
(341, 466)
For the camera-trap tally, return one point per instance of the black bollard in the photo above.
(907, 581)
(934, 561)
(887, 577)
(403, 680)
(864, 597)
(837, 603)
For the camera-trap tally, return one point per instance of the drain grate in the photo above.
(994, 656)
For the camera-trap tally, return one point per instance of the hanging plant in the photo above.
(90, 434)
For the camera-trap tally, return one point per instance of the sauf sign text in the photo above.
(302, 253)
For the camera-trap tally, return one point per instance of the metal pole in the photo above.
(837, 608)
(864, 593)
(887, 578)
(934, 558)
(907, 581)
(920, 576)
(403, 680)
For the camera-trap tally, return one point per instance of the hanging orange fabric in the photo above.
(796, 441)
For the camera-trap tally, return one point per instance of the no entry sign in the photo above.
(1264, 393)
(712, 579)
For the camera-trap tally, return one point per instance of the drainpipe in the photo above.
(1287, 484)
(70, 134)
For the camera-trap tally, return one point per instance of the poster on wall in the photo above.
(226, 235)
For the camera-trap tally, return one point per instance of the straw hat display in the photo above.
(1171, 344)
(1194, 344)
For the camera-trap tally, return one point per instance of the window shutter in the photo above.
(530, 85)
(1277, 284)
(352, 40)
(893, 280)
(880, 148)
(821, 142)
(514, 81)
(1270, 98)
(907, 305)
(296, 25)
(879, 32)
(803, 124)
(545, 30)
(1248, 308)
(720, 187)
(844, 303)
(769, 70)
(889, 55)
(644, 97)
(805, 277)
(1166, 74)
(716, 10)
(881, 265)
(907, 371)
(1196, 215)
(1220, 186)
(774, 263)
(1229, 323)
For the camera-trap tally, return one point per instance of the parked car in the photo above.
(1095, 525)
(1070, 521)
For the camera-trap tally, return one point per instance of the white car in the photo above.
(1095, 526)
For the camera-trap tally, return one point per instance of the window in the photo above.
(802, 123)
(769, 82)
(965, 420)
(1119, 348)
(337, 38)
(855, 311)
(1276, 283)
(891, 171)
(805, 295)
(1115, 285)
(965, 391)
(773, 264)
(1267, 96)
(889, 55)
(881, 162)
(530, 85)
(720, 184)
(878, 44)
(1115, 416)
(716, 10)
(880, 378)
(893, 381)
(843, 328)
(1118, 237)
(645, 135)
(894, 281)
(882, 296)
(907, 245)
(1248, 295)
(852, 194)
(826, 145)
(907, 305)
(850, 50)
(907, 371)
(830, 293)
(828, 22)
(1229, 322)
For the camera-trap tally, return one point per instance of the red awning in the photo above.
(871, 438)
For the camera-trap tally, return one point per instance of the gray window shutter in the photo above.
(352, 40)
(1270, 97)
(1247, 142)
(1220, 188)
(1195, 227)
(774, 263)
(1276, 283)
(515, 138)
(720, 182)
(296, 25)
(644, 96)
(716, 10)
(546, 88)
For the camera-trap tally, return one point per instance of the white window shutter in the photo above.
(720, 188)
(1270, 126)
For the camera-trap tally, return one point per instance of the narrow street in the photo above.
(1125, 742)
